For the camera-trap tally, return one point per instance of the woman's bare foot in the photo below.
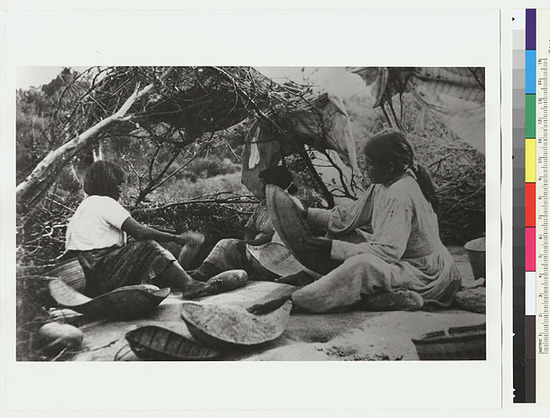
(269, 306)
(399, 300)
(193, 289)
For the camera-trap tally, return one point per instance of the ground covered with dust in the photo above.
(345, 336)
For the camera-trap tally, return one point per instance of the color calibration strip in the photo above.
(523, 376)
(530, 58)
(530, 203)
(540, 121)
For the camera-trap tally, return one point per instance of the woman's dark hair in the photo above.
(103, 179)
(391, 146)
(279, 176)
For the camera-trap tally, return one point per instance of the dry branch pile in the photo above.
(217, 217)
(458, 171)
(194, 100)
(41, 234)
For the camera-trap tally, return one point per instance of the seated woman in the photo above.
(98, 230)
(403, 264)
(231, 253)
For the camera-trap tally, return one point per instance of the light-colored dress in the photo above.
(404, 250)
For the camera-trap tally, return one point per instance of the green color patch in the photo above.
(530, 116)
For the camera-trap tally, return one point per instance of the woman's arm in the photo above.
(389, 241)
(343, 219)
(141, 232)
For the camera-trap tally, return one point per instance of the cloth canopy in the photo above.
(325, 125)
(454, 95)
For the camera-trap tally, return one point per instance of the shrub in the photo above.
(212, 166)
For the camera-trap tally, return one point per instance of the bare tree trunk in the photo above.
(30, 191)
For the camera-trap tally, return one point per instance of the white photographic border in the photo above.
(259, 38)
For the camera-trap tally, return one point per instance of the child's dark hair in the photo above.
(103, 179)
(392, 146)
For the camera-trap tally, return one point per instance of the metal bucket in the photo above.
(476, 254)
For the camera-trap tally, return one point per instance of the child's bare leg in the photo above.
(175, 277)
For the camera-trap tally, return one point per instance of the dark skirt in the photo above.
(107, 269)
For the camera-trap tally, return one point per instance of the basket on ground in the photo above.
(71, 273)
(226, 325)
(156, 343)
(126, 302)
(293, 230)
(272, 260)
(461, 343)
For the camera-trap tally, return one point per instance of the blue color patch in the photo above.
(530, 71)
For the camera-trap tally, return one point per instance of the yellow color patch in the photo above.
(530, 160)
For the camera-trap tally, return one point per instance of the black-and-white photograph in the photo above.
(250, 213)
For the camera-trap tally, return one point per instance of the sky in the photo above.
(36, 76)
(333, 80)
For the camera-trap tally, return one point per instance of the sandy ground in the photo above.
(337, 336)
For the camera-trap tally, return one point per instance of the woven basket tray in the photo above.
(71, 273)
(273, 260)
(462, 343)
(230, 326)
(157, 343)
(128, 302)
(293, 230)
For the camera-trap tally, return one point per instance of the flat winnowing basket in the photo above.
(293, 230)
(71, 273)
(128, 302)
(462, 343)
(157, 343)
(274, 259)
(226, 325)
